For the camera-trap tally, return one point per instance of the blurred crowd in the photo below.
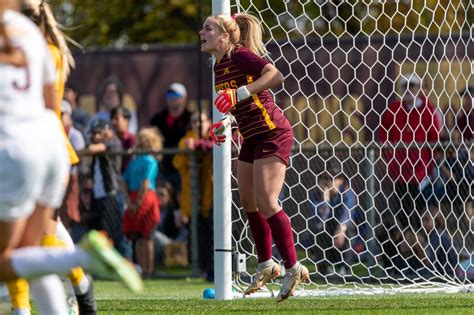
(143, 201)
(426, 227)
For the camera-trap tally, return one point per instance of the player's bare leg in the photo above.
(269, 176)
(10, 237)
(267, 268)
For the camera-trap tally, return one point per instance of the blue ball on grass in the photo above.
(209, 294)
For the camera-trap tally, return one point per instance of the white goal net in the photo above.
(379, 196)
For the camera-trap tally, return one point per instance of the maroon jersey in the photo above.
(257, 114)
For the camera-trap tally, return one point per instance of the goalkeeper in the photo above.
(242, 79)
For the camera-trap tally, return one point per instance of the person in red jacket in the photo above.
(411, 119)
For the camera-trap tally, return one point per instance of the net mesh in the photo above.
(366, 211)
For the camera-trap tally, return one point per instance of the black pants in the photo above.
(324, 252)
(108, 217)
(408, 206)
(206, 244)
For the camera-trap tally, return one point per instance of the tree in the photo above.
(123, 22)
(367, 17)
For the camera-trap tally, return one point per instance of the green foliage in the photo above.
(361, 18)
(123, 22)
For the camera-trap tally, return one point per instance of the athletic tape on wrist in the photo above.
(243, 93)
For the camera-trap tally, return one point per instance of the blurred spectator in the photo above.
(171, 228)
(70, 207)
(457, 173)
(80, 118)
(389, 237)
(107, 197)
(200, 126)
(120, 119)
(409, 120)
(191, 141)
(75, 135)
(454, 176)
(173, 122)
(109, 97)
(330, 223)
(440, 250)
(171, 224)
(464, 128)
(412, 260)
(426, 89)
(143, 211)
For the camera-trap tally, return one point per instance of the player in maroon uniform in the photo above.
(242, 79)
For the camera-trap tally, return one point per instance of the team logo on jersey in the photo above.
(226, 70)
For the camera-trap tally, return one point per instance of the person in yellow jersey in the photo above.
(56, 234)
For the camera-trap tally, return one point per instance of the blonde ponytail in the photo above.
(250, 33)
(243, 29)
(40, 13)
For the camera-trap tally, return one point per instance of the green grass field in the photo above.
(185, 297)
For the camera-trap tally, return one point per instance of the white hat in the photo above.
(178, 88)
(411, 78)
(66, 107)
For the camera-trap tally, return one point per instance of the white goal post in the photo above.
(359, 228)
(222, 198)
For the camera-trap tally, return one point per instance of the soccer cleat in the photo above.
(263, 276)
(291, 281)
(107, 262)
(86, 302)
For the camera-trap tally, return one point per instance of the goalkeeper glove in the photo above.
(226, 99)
(217, 130)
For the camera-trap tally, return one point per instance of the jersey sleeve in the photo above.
(252, 63)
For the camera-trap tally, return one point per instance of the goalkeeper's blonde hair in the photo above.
(243, 29)
(40, 13)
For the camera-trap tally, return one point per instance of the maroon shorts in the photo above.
(270, 144)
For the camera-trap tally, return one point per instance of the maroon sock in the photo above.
(283, 236)
(262, 235)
